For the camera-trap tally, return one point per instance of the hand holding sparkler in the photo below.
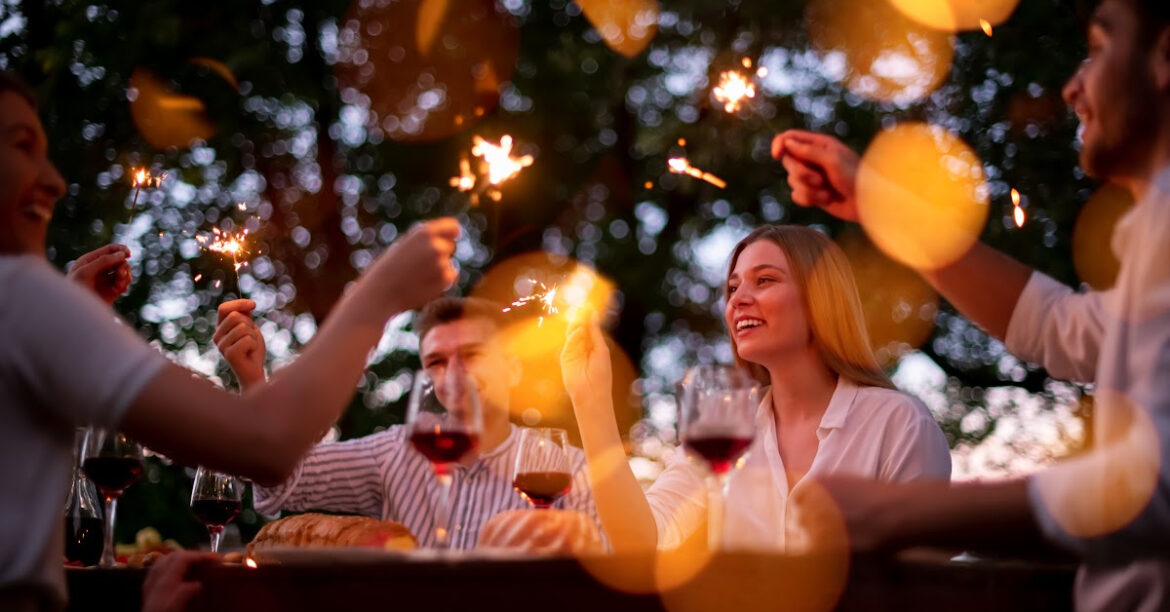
(417, 267)
(104, 271)
(822, 171)
(239, 340)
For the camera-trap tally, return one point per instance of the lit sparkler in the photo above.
(227, 244)
(544, 297)
(986, 25)
(733, 89)
(495, 165)
(1017, 211)
(680, 165)
(140, 178)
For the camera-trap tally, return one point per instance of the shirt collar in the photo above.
(835, 415)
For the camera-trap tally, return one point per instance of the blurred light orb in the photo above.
(877, 52)
(921, 195)
(626, 26)
(899, 306)
(166, 119)
(536, 336)
(1092, 237)
(429, 69)
(956, 15)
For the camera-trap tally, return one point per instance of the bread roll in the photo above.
(322, 530)
(542, 532)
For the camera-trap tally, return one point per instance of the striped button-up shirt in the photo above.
(382, 475)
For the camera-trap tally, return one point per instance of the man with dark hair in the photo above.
(381, 474)
(1111, 505)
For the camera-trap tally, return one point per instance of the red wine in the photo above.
(112, 474)
(217, 512)
(83, 539)
(720, 452)
(543, 488)
(443, 446)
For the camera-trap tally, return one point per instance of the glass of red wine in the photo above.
(445, 421)
(216, 499)
(717, 422)
(113, 462)
(542, 474)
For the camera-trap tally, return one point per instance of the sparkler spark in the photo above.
(1018, 214)
(228, 244)
(733, 88)
(466, 180)
(544, 297)
(501, 164)
(680, 165)
(140, 178)
(986, 25)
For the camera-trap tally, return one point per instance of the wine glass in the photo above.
(113, 462)
(216, 499)
(445, 420)
(542, 473)
(717, 418)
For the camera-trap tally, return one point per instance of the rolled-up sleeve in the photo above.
(1057, 328)
(678, 501)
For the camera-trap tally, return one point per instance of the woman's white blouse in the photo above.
(866, 431)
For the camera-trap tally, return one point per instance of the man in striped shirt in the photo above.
(381, 474)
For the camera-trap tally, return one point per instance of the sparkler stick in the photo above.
(494, 166)
(680, 165)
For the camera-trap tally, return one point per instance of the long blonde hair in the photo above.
(831, 304)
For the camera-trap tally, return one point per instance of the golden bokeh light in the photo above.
(536, 335)
(1092, 237)
(957, 15)
(166, 119)
(880, 53)
(899, 306)
(626, 26)
(651, 572)
(433, 78)
(1103, 490)
(747, 582)
(921, 195)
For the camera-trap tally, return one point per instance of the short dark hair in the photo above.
(449, 309)
(10, 82)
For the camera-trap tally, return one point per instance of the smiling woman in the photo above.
(29, 183)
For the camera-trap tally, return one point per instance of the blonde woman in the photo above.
(795, 323)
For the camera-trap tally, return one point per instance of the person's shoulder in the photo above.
(27, 269)
(892, 405)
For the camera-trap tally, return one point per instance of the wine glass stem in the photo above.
(216, 533)
(108, 559)
(443, 517)
(715, 510)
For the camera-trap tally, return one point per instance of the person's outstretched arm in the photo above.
(984, 284)
(263, 433)
(585, 365)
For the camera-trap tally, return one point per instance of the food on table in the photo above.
(322, 530)
(542, 532)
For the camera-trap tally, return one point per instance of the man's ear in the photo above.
(1161, 61)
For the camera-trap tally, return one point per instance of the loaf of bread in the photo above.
(542, 532)
(322, 530)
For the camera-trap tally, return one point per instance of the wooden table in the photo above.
(739, 582)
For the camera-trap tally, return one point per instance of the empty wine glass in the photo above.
(216, 499)
(717, 417)
(542, 474)
(445, 420)
(113, 462)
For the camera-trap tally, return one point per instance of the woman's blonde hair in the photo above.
(831, 305)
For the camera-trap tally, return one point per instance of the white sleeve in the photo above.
(1057, 328)
(335, 477)
(67, 348)
(1113, 502)
(678, 501)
